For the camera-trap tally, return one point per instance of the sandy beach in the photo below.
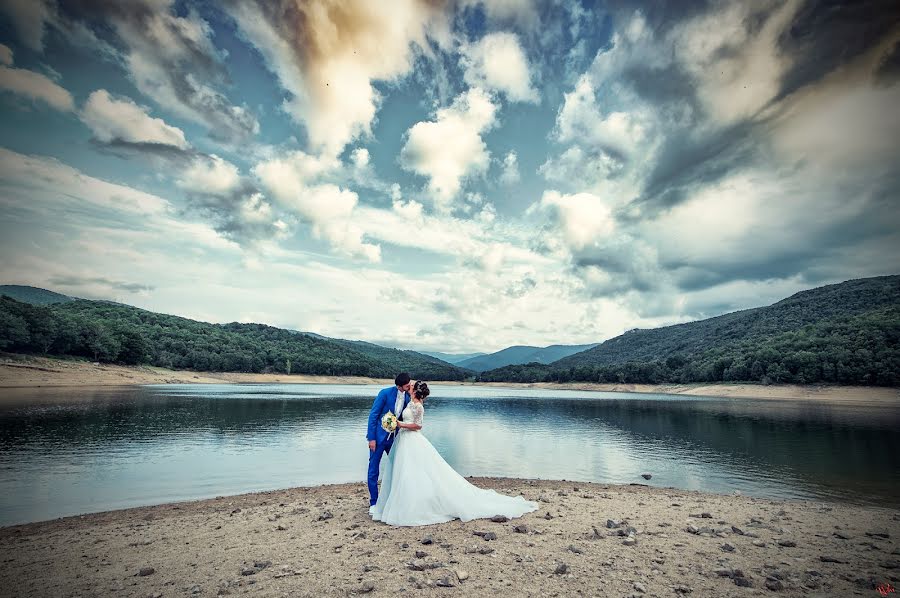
(33, 372)
(585, 539)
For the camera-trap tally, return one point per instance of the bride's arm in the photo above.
(416, 423)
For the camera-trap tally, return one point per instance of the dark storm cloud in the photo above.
(821, 37)
(826, 34)
(116, 285)
(888, 70)
(242, 214)
(688, 161)
(171, 55)
(129, 149)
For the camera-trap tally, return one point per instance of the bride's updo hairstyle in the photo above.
(421, 390)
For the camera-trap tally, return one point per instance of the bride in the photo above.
(419, 488)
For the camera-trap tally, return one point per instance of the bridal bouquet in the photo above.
(389, 422)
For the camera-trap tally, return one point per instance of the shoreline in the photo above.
(40, 372)
(321, 541)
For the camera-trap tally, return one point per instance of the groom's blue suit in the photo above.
(384, 402)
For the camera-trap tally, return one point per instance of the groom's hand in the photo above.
(372, 445)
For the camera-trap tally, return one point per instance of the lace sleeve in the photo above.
(418, 414)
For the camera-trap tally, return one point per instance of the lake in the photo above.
(75, 450)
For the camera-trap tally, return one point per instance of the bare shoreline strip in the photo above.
(34, 372)
(586, 538)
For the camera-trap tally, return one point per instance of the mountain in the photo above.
(521, 354)
(33, 295)
(847, 333)
(114, 332)
(454, 358)
(418, 365)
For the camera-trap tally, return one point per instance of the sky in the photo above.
(449, 175)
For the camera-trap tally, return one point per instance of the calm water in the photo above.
(116, 448)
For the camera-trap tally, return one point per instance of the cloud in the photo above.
(510, 174)
(583, 218)
(296, 182)
(110, 286)
(210, 174)
(497, 62)
(450, 148)
(28, 18)
(617, 133)
(328, 54)
(521, 12)
(113, 120)
(6, 55)
(171, 59)
(36, 87)
(70, 187)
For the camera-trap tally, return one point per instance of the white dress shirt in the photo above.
(398, 404)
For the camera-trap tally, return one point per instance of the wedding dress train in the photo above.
(419, 488)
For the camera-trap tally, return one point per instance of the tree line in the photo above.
(115, 333)
(861, 349)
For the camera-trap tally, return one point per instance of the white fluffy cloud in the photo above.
(35, 86)
(210, 174)
(450, 148)
(510, 174)
(295, 181)
(328, 54)
(584, 219)
(497, 62)
(120, 119)
(581, 119)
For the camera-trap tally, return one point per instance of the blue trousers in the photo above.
(375, 465)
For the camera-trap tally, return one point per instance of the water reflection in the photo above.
(113, 448)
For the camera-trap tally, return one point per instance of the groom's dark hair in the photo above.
(402, 379)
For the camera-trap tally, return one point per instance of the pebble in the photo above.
(561, 569)
(726, 547)
(575, 549)
(145, 571)
(427, 540)
(743, 582)
(521, 529)
(629, 541)
(638, 587)
(613, 523)
(366, 587)
(774, 585)
(462, 574)
(759, 543)
(786, 543)
(830, 559)
(421, 554)
(326, 515)
(448, 581)
(499, 519)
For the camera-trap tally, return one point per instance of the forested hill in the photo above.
(846, 333)
(113, 332)
(33, 295)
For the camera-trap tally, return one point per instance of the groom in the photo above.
(394, 398)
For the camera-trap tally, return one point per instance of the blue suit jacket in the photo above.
(384, 402)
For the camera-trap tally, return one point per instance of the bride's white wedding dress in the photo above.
(419, 488)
